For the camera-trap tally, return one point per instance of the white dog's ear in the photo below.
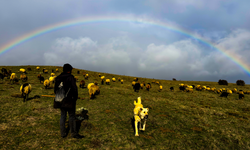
(147, 109)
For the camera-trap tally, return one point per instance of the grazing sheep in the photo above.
(102, 77)
(160, 88)
(142, 85)
(193, 86)
(172, 88)
(46, 83)
(78, 72)
(25, 89)
(107, 81)
(225, 94)
(13, 78)
(174, 79)
(52, 70)
(52, 74)
(148, 86)
(113, 79)
(82, 83)
(223, 82)
(241, 94)
(41, 78)
(181, 87)
(93, 90)
(57, 70)
(99, 75)
(189, 89)
(157, 82)
(240, 82)
(136, 87)
(52, 79)
(46, 71)
(121, 81)
(199, 88)
(29, 69)
(37, 68)
(22, 70)
(135, 79)
(23, 77)
(234, 90)
(86, 76)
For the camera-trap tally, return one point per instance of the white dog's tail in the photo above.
(139, 101)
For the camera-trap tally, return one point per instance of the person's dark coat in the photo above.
(68, 82)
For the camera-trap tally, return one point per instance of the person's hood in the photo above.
(62, 76)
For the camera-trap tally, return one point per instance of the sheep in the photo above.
(189, 89)
(99, 75)
(46, 71)
(25, 89)
(78, 72)
(29, 69)
(52, 70)
(86, 76)
(82, 83)
(225, 94)
(46, 83)
(52, 79)
(157, 82)
(181, 87)
(141, 85)
(102, 77)
(222, 82)
(160, 88)
(113, 79)
(199, 88)
(57, 70)
(13, 78)
(148, 86)
(153, 81)
(52, 74)
(37, 68)
(240, 82)
(174, 79)
(4, 70)
(22, 70)
(107, 81)
(23, 77)
(121, 81)
(93, 90)
(172, 88)
(135, 79)
(193, 86)
(234, 90)
(40, 78)
(133, 83)
(102, 81)
(136, 87)
(241, 94)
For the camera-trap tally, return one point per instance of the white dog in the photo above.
(140, 114)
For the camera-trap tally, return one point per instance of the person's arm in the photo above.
(74, 88)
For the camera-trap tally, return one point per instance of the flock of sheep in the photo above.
(94, 89)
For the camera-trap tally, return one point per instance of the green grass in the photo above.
(177, 120)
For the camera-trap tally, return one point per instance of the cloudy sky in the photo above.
(132, 47)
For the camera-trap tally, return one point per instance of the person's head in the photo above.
(67, 68)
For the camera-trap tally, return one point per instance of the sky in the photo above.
(133, 38)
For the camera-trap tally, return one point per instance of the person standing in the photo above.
(69, 103)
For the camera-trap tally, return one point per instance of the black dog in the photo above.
(241, 96)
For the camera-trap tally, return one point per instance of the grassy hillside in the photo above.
(177, 120)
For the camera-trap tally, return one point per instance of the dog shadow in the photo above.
(34, 97)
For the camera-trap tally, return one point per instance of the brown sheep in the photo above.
(82, 83)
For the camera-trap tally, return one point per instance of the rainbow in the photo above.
(47, 29)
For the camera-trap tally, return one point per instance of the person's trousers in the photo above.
(72, 121)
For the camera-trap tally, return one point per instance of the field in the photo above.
(177, 120)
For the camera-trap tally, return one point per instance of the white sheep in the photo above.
(25, 89)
